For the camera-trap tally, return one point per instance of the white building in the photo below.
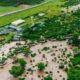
(41, 14)
(18, 22)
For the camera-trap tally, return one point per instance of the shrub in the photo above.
(41, 66)
(61, 66)
(22, 62)
(45, 49)
(33, 54)
(21, 78)
(16, 71)
(48, 78)
(26, 52)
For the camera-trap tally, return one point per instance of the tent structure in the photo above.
(41, 14)
(18, 22)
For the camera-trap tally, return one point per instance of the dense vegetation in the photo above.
(74, 71)
(17, 71)
(18, 2)
(71, 2)
(58, 27)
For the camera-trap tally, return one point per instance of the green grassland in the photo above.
(11, 5)
(29, 12)
(8, 9)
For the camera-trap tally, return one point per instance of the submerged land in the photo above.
(40, 40)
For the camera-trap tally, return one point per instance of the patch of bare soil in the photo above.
(25, 6)
(52, 57)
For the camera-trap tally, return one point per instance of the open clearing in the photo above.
(53, 58)
(41, 42)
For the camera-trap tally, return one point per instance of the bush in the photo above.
(48, 78)
(16, 71)
(61, 66)
(21, 78)
(9, 37)
(45, 49)
(41, 66)
(26, 52)
(33, 54)
(22, 62)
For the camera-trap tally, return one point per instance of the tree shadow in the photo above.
(18, 2)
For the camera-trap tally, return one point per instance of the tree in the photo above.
(48, 78)
(22, 62)
(41, 66)
(16, 71)
(75, 39)
(61, 66)
(21, 78)
(74, 73)
(26, 52)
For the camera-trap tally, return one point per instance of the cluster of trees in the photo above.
(17, 71)
(75, 39)
(58, 27)
(74, 71)
(41, 66)
(18, 2)
(71, 2)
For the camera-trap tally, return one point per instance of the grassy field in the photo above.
(4, 9)
(11, 5)
(23, 14)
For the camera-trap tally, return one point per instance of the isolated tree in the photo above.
(16, 71)
(26, 52)
(22, 62)
(48, 78)
(41, 66)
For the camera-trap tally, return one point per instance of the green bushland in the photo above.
(74, 70)
(59, 27)
(18, 2)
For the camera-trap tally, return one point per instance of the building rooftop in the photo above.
(18, 22)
